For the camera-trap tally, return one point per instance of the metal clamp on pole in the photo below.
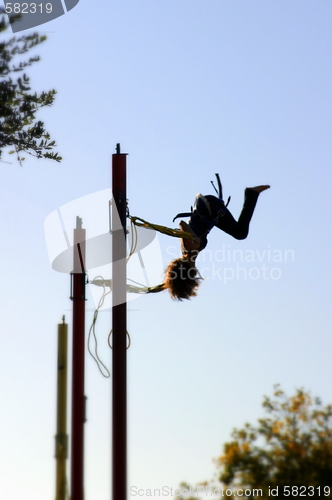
(110, 215)
(80, 293)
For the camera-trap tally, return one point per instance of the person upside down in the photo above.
(182, 277)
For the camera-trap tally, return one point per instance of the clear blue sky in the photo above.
(188, 88)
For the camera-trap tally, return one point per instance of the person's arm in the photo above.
(189, 245)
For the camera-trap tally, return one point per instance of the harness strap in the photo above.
(146, 289)
(183, 214)
(219, 190)
(219, 193)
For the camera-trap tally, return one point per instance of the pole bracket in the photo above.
(84, 282)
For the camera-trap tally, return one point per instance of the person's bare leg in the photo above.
(239, 229)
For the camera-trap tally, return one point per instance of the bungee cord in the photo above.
(177, 233)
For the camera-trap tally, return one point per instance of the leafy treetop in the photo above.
(290, 447)
(18, 106)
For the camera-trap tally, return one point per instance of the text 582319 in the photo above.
(28, 8)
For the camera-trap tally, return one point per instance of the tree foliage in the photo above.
(19, 128)
(291, 447)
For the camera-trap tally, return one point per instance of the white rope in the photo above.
(92, 332)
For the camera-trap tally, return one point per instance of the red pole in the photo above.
(119, 318)
(78, 398)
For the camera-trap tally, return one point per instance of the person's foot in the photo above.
(259, 189)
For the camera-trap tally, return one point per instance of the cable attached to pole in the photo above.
(92, 331)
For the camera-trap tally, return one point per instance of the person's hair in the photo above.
(182, 279)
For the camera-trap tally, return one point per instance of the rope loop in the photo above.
(109, 339)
